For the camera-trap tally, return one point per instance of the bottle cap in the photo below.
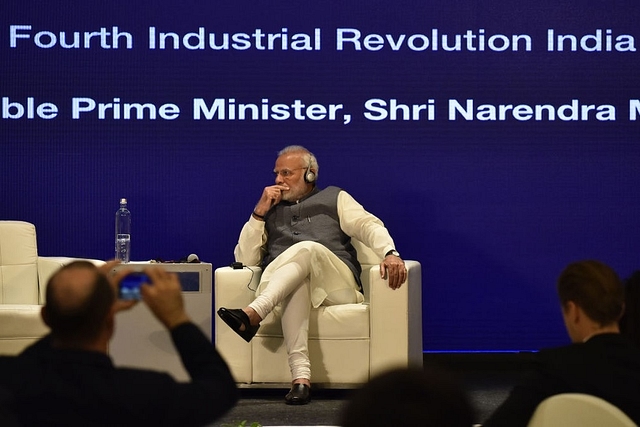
(123, 201)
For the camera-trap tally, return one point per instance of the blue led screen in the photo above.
(498, 141)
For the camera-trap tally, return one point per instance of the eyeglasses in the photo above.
(286, 173)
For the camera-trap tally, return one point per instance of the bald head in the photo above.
(79, 300)
(71, 287)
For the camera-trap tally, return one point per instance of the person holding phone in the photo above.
(67, 378)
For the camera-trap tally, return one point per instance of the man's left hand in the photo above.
(393, 267)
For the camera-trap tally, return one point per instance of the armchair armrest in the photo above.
(20, 326)
(396, 320)
(234, 288)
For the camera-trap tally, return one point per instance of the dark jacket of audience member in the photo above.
(600, 362)
(630, 321)
(68, 379)
(8, 416)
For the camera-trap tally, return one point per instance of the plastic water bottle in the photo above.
(123, 232)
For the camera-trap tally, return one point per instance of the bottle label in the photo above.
(123, 246)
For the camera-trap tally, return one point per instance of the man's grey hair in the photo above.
(308, 157)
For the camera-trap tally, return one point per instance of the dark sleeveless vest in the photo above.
(314, 218)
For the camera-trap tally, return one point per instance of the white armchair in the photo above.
(578, 410)
(348, 344)
(23, 279)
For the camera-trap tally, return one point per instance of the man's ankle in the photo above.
(304, 381)
(254, 317)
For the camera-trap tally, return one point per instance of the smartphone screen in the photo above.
(130, 286)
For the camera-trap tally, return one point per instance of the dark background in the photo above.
(492, 209)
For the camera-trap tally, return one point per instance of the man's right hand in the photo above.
(164, 297)
(271, 196)
(114, 280)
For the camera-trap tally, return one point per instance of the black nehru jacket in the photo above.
(313, 218)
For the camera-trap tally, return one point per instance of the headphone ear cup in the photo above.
(309, 176)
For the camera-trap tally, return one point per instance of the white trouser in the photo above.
(306, 274)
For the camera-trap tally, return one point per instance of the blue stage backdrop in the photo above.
(497, 140)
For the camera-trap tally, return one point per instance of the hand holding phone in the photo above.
(129, 288)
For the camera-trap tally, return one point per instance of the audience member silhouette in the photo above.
(7, 415)
(630, 321)
(67, 378)
(601, 361)
(426, 397)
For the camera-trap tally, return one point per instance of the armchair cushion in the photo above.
(20, 325)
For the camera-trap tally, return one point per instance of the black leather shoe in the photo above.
(236, 318)
(300, 394)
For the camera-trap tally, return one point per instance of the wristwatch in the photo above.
(392, 252)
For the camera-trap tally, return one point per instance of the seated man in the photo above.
(601, 361)
(67, 378)
(301, 235)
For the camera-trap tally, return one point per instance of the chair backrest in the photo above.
(367, 259)
(18, 263)
(366, 256)
(578, 410)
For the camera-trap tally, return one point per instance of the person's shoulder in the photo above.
(37, 349)
(558, 351)
(14, 370)
(338, 192)
(616, 346)
(598, 347)
(563, 355)
(145, 378)
(331, 192)
(6, 362)
(611, 343)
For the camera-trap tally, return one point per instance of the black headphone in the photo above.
(309, 175)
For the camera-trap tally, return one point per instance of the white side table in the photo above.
(141, 341)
